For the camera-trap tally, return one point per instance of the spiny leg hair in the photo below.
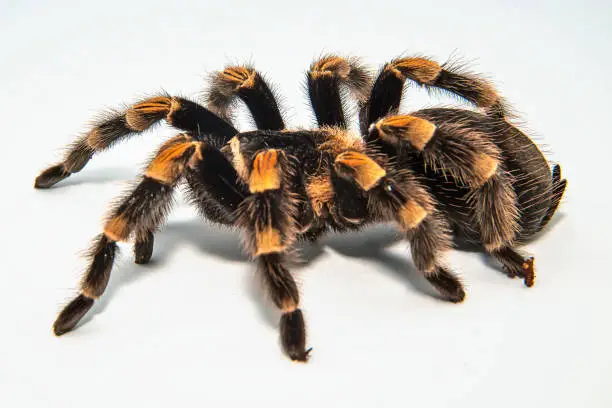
(248, 85)
(328, 80)
(268, 219)
(451, 149)
(387, 90)
(397, 196)
(116, 126)
(256, 191)
(137, 214)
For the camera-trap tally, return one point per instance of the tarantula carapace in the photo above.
(435, 173)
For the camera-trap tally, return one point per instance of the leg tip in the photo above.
(59, 329)
(448, 285)
(70, 316)
(293, 336)
(300, 356)
(141, 260)
(51, 176)
(457, 297)
(529, 272)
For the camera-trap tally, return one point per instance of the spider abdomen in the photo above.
(529, 171)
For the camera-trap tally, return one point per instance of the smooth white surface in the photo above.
(191, 329)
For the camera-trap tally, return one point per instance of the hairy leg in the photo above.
(117, 126)
(140, 212)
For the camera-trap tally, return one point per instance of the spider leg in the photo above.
(138, 214)
(116, 126)
(472, 160)
(387, 90)
(465, 154)
(516, 264)
(248, 85)
(267, 217)
(328, 78)
(400, 198)
(215, 187)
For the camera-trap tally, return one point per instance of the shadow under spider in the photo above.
(219, 241)
(99, 176)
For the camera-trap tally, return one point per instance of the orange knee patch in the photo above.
(485, 167)
(329, 66)
(266, 172)
(239, 76)
(411, 215)
(167, 166)
(288, 305)
(238, 159)
(320, 191)
(365, 171)
(416, 131)
(268, 241)
(117, 229)
(421, 70)
(142, 115)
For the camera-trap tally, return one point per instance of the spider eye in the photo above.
(389, 187)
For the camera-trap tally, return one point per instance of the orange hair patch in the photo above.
(239, 76)
(365, 171)
(421, 70)
(411, 129)
(266, 173)
(117, 229)
(485, 167)
(320, 191)
(411, 215)
(142, 115)
(329, 66)
(168, 164)
(268, 241)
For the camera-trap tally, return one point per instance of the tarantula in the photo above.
(435, 173)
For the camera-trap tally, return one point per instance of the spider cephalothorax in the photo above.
(432, 173)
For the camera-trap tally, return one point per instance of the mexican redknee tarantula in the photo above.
(435, 173)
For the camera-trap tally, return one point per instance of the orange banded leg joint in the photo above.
(266, 172)
(359, 167)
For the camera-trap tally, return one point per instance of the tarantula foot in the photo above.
(293, 336)
(448, 285)
(300, 356)
(529, 272)
(72, 314)
(524, 270)
(51, 176)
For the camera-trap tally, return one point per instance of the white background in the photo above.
(191, 328)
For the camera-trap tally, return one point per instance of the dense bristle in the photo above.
(248, 85)
(495, 205)
(115, 126)
(330, 80)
